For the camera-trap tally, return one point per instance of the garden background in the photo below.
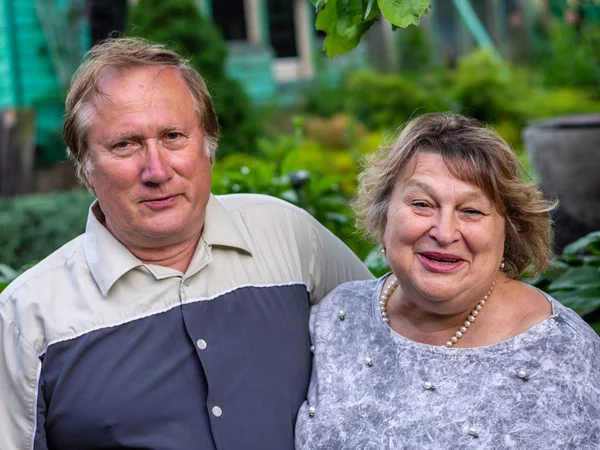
(297, 124)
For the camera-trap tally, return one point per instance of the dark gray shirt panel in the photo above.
(147, 384)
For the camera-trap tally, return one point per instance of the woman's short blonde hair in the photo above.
(474, 154)
(128, 53)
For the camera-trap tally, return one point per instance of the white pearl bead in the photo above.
(473, 432)
(454, 339)
(458, 334)
(522, 374)
(429, 386)
(386, 320)
(368, 362)
(467, 323)
(463, 329)
(470, 319)
(478, 307)
(449, 344)
(485, 297)
(474, 313)
(311, 411)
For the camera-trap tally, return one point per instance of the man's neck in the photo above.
(176, 256)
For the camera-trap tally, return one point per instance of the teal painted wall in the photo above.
(28, 76)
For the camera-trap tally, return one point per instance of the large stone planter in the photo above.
(565, 153)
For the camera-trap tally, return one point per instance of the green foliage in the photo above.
(416, 52)
(488, 89)
(574, 280)
(7, 274)
(568, 55)
(302, 171)
(179, 24)
(391, 99)
(34, 226)
(346, 21)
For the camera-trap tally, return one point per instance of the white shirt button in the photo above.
(217, 411)
(201, 343)
(186, 282)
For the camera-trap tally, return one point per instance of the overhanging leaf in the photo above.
(345, 22)
(403, 13)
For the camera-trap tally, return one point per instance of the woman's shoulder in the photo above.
(576, 331)
(350, 293)
(351, 302)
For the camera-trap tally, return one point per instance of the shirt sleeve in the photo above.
(19, 366)
(331, 263)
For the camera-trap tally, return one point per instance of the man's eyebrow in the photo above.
(121, 136)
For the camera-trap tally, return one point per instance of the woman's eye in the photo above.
(473, 212)
(420, 204)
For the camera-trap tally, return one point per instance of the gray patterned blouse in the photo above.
(368, 384)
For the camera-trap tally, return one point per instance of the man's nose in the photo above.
(157, 169)
(445, 228)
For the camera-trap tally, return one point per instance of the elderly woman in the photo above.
(451, 350)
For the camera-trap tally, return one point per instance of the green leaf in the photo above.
(376, 262)
(345, 22)
(403, 13)
(319, 4)
(580, 277)
(580, 301)
(590, 243)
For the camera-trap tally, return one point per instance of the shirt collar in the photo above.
(220, 228)
(109, 260)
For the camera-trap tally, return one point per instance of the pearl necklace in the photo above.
(387, 293)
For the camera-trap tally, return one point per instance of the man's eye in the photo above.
(420, 204)
(173, 135)
(122, 144)
(473, 212)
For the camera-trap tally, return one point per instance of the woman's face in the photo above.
(444, 238)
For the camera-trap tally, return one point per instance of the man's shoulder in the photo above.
(45, 271)
(259, 202)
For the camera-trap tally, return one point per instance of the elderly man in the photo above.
(178, 320)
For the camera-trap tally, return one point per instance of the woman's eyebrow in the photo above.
(412, 185)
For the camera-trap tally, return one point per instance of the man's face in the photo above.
(147, 158)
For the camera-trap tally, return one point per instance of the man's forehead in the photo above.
(117, 81)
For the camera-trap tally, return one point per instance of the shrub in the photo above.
(574, 279)
(568, 56)
(386, 101)
(36, 225)
(179, 24)
(488, 89)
